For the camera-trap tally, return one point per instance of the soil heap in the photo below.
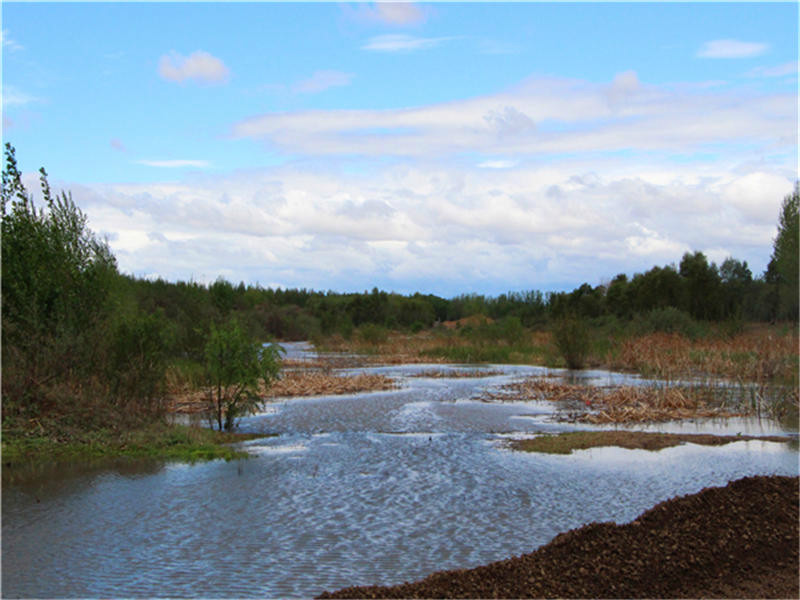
(738, 541)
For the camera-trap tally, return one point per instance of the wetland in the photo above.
(373, 487)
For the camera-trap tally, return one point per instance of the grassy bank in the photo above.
(157, 441)
(565, 443)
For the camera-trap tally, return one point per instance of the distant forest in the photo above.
(702, 290)
(73, 325)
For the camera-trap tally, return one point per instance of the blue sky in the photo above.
(444, 147)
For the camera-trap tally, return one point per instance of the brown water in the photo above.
(371, 488)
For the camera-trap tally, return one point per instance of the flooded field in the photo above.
(371, 488)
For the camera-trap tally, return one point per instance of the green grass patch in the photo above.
(489, 353)
(158, 441)
(565, 443)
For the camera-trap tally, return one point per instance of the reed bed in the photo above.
(397, 348)
(623, 404)
(460, 374)
(291, 384)
(757, 355)
(317, 383)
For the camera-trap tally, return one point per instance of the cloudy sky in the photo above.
(445, 148)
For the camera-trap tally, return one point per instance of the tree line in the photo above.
(92, 345)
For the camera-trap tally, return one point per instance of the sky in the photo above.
(444, 148)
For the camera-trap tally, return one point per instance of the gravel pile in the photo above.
(739, 541)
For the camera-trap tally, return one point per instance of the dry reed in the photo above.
(291, 384)
(620, 404)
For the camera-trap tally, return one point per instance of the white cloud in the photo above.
(389, 13)
(399, 13)
(789, 68)
(175, 164)
(13, 96)
(498, 164)
(198, 66)
(443, 229)
(731, 49)
(9, 44)
(400, 42)
(321, 81)
(541, 117)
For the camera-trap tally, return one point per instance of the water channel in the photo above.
(373, 488)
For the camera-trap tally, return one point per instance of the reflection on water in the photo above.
(371, 488)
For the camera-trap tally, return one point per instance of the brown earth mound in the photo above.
(739, 541)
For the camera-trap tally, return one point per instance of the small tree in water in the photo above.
(235, 364)
(571, 337)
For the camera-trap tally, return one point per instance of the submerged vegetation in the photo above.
(91, 356)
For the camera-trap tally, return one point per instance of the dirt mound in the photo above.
(739, 541)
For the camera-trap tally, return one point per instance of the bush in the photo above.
(571, 337)
(373, 334)
(668, 320)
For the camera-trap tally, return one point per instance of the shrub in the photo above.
(571, 337)
(668, 320)
(373, 334)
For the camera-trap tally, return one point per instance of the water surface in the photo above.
(370, 488)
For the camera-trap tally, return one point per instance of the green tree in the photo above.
(235, 365)
(617, 296)
(571, 337)
(782, 271)
(703, 286)
(737, 282)
(56, 282)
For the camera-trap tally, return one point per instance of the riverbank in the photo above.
(737, 541)
(158, 440)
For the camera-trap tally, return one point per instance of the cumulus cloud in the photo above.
(539, 117)
(443, 229)
(498, 164)
(321, 81)
(199, 66)
(399, 42)
(731, 49)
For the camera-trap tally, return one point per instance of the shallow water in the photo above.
(371, 488)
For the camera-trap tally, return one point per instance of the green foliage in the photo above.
(235, 365)
(137, 359)
(572, 339)
(373, 334)
(702, 286)
(56, 282)
(782, 272)
(667, 320)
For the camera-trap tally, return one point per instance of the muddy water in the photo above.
(370, 488)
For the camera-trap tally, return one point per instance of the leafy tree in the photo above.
(702, 286)
(235, 365)
(617, 296)
(782, 271)
(572, 339)
(737, 283)
(56, 282)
